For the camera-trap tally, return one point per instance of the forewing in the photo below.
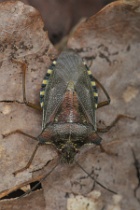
(54, 94)
(85, 95)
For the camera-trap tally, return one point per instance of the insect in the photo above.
(69, 98)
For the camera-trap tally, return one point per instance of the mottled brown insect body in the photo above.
(72, 121)
(70, 128)
(70, 110)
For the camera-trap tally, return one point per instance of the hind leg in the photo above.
(107, 128)
(94, 138)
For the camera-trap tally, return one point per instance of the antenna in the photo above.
(93, 178)
(41, 180)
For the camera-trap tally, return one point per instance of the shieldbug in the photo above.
(69, 99)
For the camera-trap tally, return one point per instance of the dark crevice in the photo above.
(89, 58)
(137, 166)
(14, 194)
(67, 195)
(36, 183)
(11, 101)
(20, 192)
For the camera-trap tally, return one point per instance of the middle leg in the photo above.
(119, 117)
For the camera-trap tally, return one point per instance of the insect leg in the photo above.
(40, 181)
(106, 129)
(21, 132)
(108, 152)
(29, 162)
(94, 138)
(31, 159)
(104, 103)
(119, 117)
(24, 68)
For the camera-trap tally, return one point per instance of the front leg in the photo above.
(29, 162)
(33, 154)
(43, 139)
